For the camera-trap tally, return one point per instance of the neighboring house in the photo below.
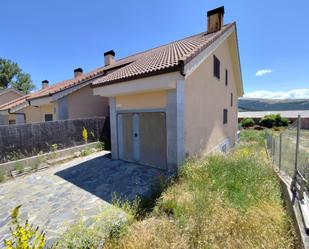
(70, 99)
(176, 100)
(291, 115)
(7, 95)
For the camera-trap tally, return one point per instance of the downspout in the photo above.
(182, 67)
(18, 113)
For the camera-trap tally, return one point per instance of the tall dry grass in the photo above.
(228, 201)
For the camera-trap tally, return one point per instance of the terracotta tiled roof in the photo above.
(170, 57)
(78, 80)
(13, 103)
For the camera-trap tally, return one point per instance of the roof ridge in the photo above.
(155, 60)
(185, 49)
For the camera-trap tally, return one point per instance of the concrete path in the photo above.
(62, 194)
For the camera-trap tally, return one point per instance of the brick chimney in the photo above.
(215, 19)
(78, 72)
(109, 57)
(44, 84)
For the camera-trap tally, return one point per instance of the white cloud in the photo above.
(293, 94)
(263, 72)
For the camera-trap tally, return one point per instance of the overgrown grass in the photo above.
(2, 175)
(19, 167)
(230, 201)
(252, 136)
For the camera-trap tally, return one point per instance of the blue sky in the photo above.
(50, 38)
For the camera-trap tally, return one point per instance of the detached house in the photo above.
(176, 100)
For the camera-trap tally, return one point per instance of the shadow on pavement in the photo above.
(106, 178)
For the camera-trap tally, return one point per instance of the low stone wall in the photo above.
(7, 167)
(17, 141)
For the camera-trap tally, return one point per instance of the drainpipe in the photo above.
(182, 67)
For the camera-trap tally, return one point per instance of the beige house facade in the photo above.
(178, 100)
(71, 99)
(8, 95)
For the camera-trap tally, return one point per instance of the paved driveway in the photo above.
(61, 194)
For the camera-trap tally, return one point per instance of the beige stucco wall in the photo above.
(83, 104)
(32, 114)
(48, 109)
(205, 98)
(8, 96)
(147, 100)
(37, 114)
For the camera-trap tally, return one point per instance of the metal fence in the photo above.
(290, 152)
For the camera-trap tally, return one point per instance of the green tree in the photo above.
(247, 122)
(12, 76)
(273, 120)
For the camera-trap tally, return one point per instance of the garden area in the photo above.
(82, 142)
(222, 201)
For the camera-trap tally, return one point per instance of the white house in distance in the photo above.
(176, 100)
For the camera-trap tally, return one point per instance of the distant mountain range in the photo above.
(245, 105)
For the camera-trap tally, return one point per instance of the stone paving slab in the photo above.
(83, 187)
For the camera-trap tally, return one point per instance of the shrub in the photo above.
(19, 167)
(78, 236)
(101, 146)
(24, 236)
(247, 122)
(284, 122)
(273, 120)
(86, 152)
(93, 232)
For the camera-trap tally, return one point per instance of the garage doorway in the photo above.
(142, 138)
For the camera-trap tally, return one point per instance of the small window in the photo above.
(231, 99)
(48, 117)
(226, 77)
(224, 116)
(216, 67)
(12, 121)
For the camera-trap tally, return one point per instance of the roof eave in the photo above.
(175, 68)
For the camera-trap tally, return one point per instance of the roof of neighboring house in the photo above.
(6, 90)
(63, 85)
(13, 103)
(169, 57)
(285, 114)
